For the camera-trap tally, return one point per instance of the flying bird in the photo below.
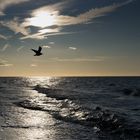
(37, 52)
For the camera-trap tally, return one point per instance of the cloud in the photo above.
(20, 48)
(45, 16)
(5, 47)
(61, 33)
(3, 37)
(49, 30)
(94, 13)
(50, 15)
(50, 20)
(44, 33)
(47, 47)
(4, 63)
(15, 26)
(51, 43)
(33, 65)
(41, 33)
(44, 36)
(72, 48)
(96, 59)
(34, 36)
(5, 3)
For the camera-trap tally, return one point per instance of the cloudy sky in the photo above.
(79, 37)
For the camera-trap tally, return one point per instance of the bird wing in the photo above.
(39, 49)
(34, 50)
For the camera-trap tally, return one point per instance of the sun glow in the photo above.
(43, 19)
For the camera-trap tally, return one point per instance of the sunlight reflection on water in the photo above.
(27, 124)
(39, 123)
(44, 81)
(30, 124)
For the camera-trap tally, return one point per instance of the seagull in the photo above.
(37, 52)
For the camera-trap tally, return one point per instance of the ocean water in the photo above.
(70, 108)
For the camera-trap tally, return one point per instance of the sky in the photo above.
(78, 37)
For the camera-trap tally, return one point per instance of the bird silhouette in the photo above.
(37, 52)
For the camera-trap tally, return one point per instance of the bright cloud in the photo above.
(47, 47)
(50, 15)
(49, 19)
(15, 26)
(42, 34)
(45, 16)
(42, 19)
(34, 36)
(72, 48)
(49, 30)
(33, 65)
(61, 33)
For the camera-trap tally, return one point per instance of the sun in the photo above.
(43, 19)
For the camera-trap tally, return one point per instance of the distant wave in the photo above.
(61, 107)
(131, 91)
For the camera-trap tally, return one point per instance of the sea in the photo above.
(70, 108)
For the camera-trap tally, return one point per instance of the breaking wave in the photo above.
(62, 106)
